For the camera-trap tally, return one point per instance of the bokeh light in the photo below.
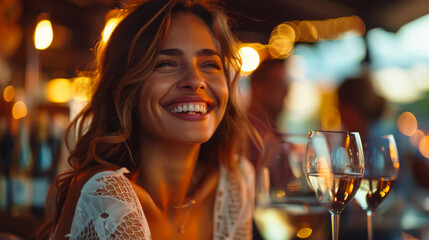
(9, 93)
(19, 110)
(282, 40)
(304, 232)
(303, 99)
(424, 146)
(58, 90)
(331, 119)
(43, 34)
(308, 31)
(250, 58)
(407, 123)
(417, 137)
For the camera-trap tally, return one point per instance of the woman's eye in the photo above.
(164, 64)
(212, 66)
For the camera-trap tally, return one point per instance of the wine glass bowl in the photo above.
(381, 170)
(333, 166)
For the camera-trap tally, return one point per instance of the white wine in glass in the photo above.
(333, 166)
(381, 170)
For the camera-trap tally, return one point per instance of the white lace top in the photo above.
(108, 207)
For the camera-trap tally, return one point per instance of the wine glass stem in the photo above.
(335, 222)
(369, 224)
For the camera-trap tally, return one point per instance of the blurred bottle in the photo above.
(21, 170)
(6, 150)
(43, 161)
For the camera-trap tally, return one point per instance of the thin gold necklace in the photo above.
(189, 206)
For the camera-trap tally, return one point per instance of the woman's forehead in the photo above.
(190, 31)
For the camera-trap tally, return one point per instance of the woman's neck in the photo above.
(167, 170)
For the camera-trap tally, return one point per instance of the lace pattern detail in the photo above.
(234, 204)
(108, 208)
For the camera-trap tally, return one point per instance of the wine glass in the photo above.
(286, 207)
(333, 166)
(381, 170)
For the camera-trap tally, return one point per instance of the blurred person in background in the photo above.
(269, 87)
(360, 107)
(159, 147)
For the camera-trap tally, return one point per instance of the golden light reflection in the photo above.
(19, 110)
(385, 191)
(250, 58)
(407, 123)
(108, 28)
(347, 142)
(43, 35)
(393, 155)
(417, 137)
(424, 146)
(58, 90)
(304, 232)
(9, 93)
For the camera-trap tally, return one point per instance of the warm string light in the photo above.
(250, 59)
(283, 37)
(43, 35)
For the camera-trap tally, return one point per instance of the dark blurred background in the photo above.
(41, 90)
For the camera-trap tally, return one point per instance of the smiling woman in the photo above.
(159, 147)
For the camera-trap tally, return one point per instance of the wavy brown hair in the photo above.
(106, 128)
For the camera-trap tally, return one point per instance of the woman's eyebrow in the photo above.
(171, 52)
(179, 52)
(207, 52)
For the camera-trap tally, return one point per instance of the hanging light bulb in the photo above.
(43, 34)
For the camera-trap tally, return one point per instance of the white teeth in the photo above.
(191, 108)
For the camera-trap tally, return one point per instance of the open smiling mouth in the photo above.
(196, 108)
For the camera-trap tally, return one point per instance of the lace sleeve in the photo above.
(234, 203)
(108, 208)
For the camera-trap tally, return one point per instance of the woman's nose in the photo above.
(193, 80)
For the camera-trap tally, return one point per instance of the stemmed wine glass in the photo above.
(286, 207)
(381, 170)
(334, 166)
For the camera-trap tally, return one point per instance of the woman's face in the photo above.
(185, 97)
